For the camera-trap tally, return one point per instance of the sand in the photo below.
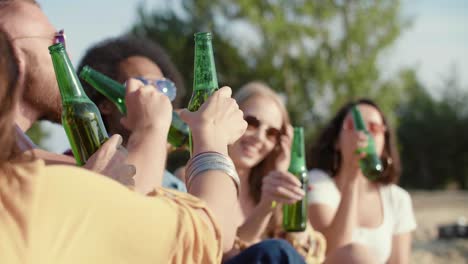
(433, 209)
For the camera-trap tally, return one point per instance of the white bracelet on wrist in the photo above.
(211, 161)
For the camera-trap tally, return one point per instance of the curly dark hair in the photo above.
(108, 54)
(323, 155)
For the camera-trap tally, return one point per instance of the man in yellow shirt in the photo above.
(63, 214)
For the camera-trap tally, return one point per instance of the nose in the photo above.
(260, 134)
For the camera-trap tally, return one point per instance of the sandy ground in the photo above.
(433, 209)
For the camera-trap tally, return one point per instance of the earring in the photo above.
(387, 162)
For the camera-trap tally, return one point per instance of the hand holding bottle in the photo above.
(110, 160)
(147, 109)
(280, 187)
(149, 114)
(217, 123)
(350, 143)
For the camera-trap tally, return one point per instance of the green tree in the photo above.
(37, 134)
(432, 135)
(318, 53)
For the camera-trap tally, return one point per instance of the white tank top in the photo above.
(398, 213)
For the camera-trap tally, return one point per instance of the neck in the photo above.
(244, 181)
(26, 116)
(363, 184)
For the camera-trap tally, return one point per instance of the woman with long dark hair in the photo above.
(349, 209)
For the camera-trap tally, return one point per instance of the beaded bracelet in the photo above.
(211, 161)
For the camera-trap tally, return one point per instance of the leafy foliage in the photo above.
(432, 134)
(37, 134)
(320, 54)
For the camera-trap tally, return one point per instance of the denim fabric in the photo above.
(272, 251)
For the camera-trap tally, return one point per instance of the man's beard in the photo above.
(44, 97)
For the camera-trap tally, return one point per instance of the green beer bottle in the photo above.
(80, 116)
(371, 165)
(115, 92)
(205, 81)
(295, 215)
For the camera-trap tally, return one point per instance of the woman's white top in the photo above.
(397, 208)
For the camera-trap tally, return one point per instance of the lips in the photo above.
(249, 149)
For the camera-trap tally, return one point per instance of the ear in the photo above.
(21, 62)
(105, 107)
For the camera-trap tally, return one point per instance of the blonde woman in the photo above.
(261, 157)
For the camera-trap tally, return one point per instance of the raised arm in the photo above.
(148, 117)
(216, 124)
(338, 224)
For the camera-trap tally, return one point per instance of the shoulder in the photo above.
(323, 189)
(319, 176)
(175, 214)
(397, 194)
(399, 201)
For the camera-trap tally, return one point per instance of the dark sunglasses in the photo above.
(271, 133)
(373, 127)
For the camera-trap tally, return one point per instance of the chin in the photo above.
(246, 162)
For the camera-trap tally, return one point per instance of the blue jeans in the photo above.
(272, 251)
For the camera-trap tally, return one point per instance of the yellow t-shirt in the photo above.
(62, 214)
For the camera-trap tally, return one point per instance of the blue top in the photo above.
(172, 182)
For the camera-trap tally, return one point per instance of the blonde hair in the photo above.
(257, 89)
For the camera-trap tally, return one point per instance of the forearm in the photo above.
(339, 232)
(51, 158)
(220, 194)
(254, 226)
(217, 189)
(401, 249)
(147, 152)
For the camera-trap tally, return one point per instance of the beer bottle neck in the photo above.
(111, 89)
(204, 66)
(357, 119)
(297, 163)
(69, 85)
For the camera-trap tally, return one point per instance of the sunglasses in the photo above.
(373, 127)
(165, 86)
(271, 133)
(58, 37)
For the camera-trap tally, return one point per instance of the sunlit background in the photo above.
(420, 78)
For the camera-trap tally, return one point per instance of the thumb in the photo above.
(113, 142)
(186, 115)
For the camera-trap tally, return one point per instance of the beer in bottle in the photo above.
(205, 81)
(295, 215)
(80, 116)
(115, 92)
(370, 164)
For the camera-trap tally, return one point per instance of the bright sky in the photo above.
(437, 39)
